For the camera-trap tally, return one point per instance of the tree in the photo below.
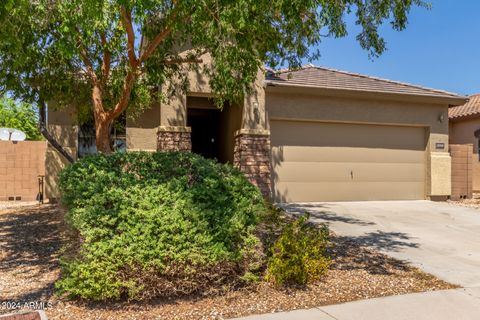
(113, 55)
(21, 116)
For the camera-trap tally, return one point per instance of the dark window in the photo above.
(86, 137)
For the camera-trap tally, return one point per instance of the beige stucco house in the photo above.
(465, 129)
(313, 134)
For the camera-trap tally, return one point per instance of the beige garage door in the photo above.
(315, 161)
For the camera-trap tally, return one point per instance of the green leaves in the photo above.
(299, 255)
(59, 49)
(20, 116)
(151, 213)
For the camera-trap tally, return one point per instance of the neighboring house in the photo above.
(465, 129)
(314, 134)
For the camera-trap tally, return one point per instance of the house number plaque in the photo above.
(440, 145)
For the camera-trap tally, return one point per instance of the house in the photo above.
(313, 134)
(464, 128)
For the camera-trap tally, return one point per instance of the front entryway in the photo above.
(205, 127)
(213, 129)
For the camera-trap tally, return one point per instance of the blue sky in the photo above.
(440, 49)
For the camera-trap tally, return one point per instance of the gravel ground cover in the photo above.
(469, 203)
(30, 245)
(16, 204)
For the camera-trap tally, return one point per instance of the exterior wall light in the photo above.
(441, 118)
(256, 113)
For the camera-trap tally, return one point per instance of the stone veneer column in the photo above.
(252, 157)
(174, 139)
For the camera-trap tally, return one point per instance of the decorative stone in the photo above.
(252, 157)
(174, 139)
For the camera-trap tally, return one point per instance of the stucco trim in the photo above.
(380, 123)
(174, 129)
(253, 132)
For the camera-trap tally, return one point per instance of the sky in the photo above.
(439, 49)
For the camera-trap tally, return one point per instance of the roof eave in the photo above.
(464, 117)
(434, 98)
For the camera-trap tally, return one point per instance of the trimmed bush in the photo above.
(299, 255)
(157, 224)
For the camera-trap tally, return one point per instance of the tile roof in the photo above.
(321, 77)
(470, 109)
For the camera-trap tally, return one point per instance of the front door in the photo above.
(205, 131)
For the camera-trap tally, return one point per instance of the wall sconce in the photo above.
(441, 118)
(256, 113)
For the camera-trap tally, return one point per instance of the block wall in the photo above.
(20, 165)
(462, 171)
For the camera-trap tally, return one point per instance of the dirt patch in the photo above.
(30, 243)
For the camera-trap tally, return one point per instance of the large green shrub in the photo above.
(299, 254)
(153, 224)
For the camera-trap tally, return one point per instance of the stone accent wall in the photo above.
(462, 158)
(252, 156)
(174, 139)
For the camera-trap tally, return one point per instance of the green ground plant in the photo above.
(299, 255)
(157, 224)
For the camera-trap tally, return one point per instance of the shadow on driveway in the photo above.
(377, 240)
(385, 241)
(318, 213)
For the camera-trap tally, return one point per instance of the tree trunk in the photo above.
(102, 122)
(102, 135)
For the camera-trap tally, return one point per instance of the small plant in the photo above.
(299, 254)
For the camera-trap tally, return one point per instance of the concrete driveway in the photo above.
(439, 238)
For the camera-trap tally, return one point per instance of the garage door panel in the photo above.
(345, 154)
(314, 161)
(305, 192)
(301, 133)
(349, 172)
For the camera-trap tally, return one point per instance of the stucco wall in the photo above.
(61, 124)
(283, 104)
(142, 129)
(462, 132)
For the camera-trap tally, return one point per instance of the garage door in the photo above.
(315, 161)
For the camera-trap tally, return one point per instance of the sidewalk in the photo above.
(458, 304)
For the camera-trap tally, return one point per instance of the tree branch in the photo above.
(107, 59)
(127, 24)
(122, 104)
(154, 44)
(131, 76)
(86, 61)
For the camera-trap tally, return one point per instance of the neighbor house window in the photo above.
(478, 148)
(86, 140)
(86, 137)
(477, 138)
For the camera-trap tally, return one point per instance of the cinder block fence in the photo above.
(20, 165)
(462, 158)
